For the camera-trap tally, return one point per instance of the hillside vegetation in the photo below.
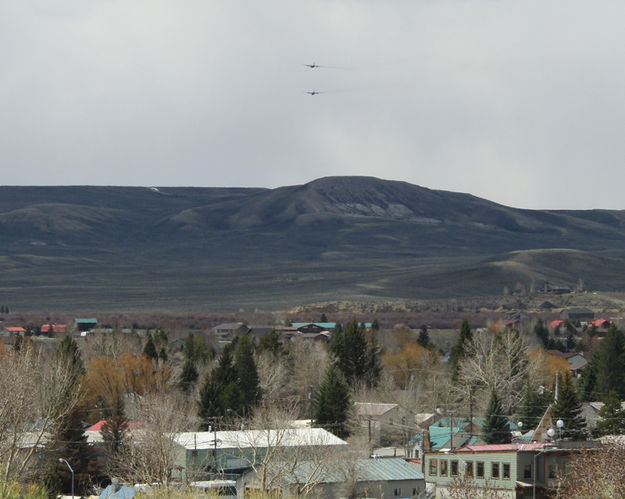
(338, 238)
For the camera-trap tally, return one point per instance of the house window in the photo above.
(454, 468)
(553, 470)
(495, 471)
(469, 469)
(397, 492)
(443, 467)
(480, 469)
(506, 471)
(527, 471)
(433, 467)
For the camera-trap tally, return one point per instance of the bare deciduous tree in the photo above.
(464, 487)
(274, 378)
(308, 363)
(149, 452)
(596, 473)
(495, 362)
(33, 397)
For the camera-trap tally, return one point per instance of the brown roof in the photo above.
(372, 409)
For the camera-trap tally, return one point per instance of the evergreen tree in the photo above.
(115, 424)
(220, 393)
(534, 406)
(588, 382)
(568, 408)
(162, 355)
(374, 365)
(69, 352)
(196, 349)
(609, 363)
(271, 343)
(458, 350)
(160, 337)
(323, 318)
(375, 325)
(150, 349)
(352, 353)
(332, 403)
(541, 332)
(225, 371)
(247, 376)
(68, 440)
(17, 343)
(570, 343)
(188, 376)
(210, 403)
(496, 430)
(424, 337)
(613, 416)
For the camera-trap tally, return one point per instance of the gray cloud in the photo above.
(518, 102)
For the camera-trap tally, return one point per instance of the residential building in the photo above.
(314, 327)
(577, 361)
(84, 325)
(13, 331)
(53, 328)
(230, 331)
(436, 438)
(384, 422)
(513, 470)
(372, 477)
(577, 314)
(234, 451)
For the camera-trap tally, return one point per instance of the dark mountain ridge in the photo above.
(333, 238)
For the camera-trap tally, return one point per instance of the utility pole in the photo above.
(215, 445)
(451, 430)
(471, 409)
(557, 380)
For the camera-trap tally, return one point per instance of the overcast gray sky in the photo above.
(517, 102)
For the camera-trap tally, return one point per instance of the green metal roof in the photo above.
(79, 320)
(367, 470)
(324, 325)
(439, 436)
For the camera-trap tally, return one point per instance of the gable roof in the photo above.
(130, 425)
(599, 323)
(15, 329)
(372, 408)
(504, 447)
(82, 320)
(367, 470)
(56, 328)
(231, 325)
(290, 437)
(440, 436)
(324, 325)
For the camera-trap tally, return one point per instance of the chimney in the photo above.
(427, 445)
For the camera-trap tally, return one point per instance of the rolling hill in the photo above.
(336, 238)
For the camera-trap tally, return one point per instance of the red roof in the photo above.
(100, 424)
(13, 329)
(555, 324)
(599, 322)
(505, 447)
(56, 328)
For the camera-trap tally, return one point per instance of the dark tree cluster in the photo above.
(231, 390)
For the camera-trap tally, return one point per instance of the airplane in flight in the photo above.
(313, 92)
(312, 66)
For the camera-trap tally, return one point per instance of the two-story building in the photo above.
(513, 470)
